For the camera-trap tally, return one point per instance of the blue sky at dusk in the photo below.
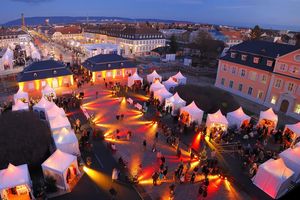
(269, 13)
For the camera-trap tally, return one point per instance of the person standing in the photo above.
(145, 145)
(154, 178)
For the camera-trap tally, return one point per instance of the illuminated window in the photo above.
(290, 87)
(269, 63)
(297, 109)
(233, 55)
(253, 76)
(260, 94)
(273, 100)
(256, 60)
(264, 79)
(244, 57)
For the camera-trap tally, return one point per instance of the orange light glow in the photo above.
(123, 72)
(71, 80)
(37, 84)
(21, 85)
(103, 181)
(60, 81)
(103, 74)
(93, 76)
(49, 81)
(114, 72)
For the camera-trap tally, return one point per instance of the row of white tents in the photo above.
(274, 177)
(62, 163)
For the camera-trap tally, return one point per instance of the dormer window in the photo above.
(34, 74)
(269, 63)
(109, 65)
(54, 72)
(244, 57)
(122, 64)
(256, 60)
(233, 55)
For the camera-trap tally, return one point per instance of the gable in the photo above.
(293, 57)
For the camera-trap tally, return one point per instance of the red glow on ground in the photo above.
(196, 142)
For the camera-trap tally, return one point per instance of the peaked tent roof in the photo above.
(271, 175)
(44, 103)
(295, 128)
(170, 82)
(192, 108)
(176, 99)
(20, 105)
(154, 74)
(217, 117)
(21, 94)
(269, 115)
(239, 114)
(14, 176)
(65, 136)
(59, 161)
(179, 76)
(156, 86)
(59, 122)
(47, 89)
(163, 92)
(134, 77)
(55, 111)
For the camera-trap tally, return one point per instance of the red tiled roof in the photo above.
(232, 34)
(69, 30)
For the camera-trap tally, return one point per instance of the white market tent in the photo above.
(237, 118)
(20, 105)
(133, 79)
(59, 122)
(54, 111)
(268, 116)
(151, 78)
(21, 95)
(273, 177)
(42, 106)
(58, 165)
(48, 91)
(295, 128)
(179, 78)
(170, 83)
(216, 119)
(161, 94)
(66, 141)
(291, 158)
(156, 86)
(192, 113)
(14, 176)
(176, 102)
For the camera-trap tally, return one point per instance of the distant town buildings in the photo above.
(264, 72)
(65, 33)
(133, 39)
(13, 37)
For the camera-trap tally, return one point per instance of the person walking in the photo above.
(154, 178)
(165, 172)
(193, 177)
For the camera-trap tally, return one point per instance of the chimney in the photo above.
(23, 21)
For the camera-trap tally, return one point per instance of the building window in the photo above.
(297, 109)
(240, 87)
(269, 63)
(253, 76)
(294, 70)
(243, 73)
(250, 90)
(233, 70)
(233, 55)
(244, 57)
(283, 67)
(224, 68)
(222, 81)
(260, 94)
(277, 83)
(231, 84)
(256, 60)
(264, 79)
(273, 100)
(290, 87)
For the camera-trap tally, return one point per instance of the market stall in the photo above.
(268, 118)
(59, 122)
(54, 111)
(42, 106)
(216, 122)
(291, 158)
(66, 141)
(179, 78)
(63, 167)
(161, 94)
(170, 83)
(15, 182)
(156, 86)
(191, 113)
(48, 92)
(273, 177)
(237, 118)
(20, 105)
(154, 76)
(175, 102)
(135, 79)
(21, 95)
(293, 131)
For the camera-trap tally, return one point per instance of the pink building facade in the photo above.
(263, 72)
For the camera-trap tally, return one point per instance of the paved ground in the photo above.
(106, 108)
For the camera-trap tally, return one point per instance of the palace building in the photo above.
(264, 72)
(133, 39)
(37, 75)
(110, 67)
